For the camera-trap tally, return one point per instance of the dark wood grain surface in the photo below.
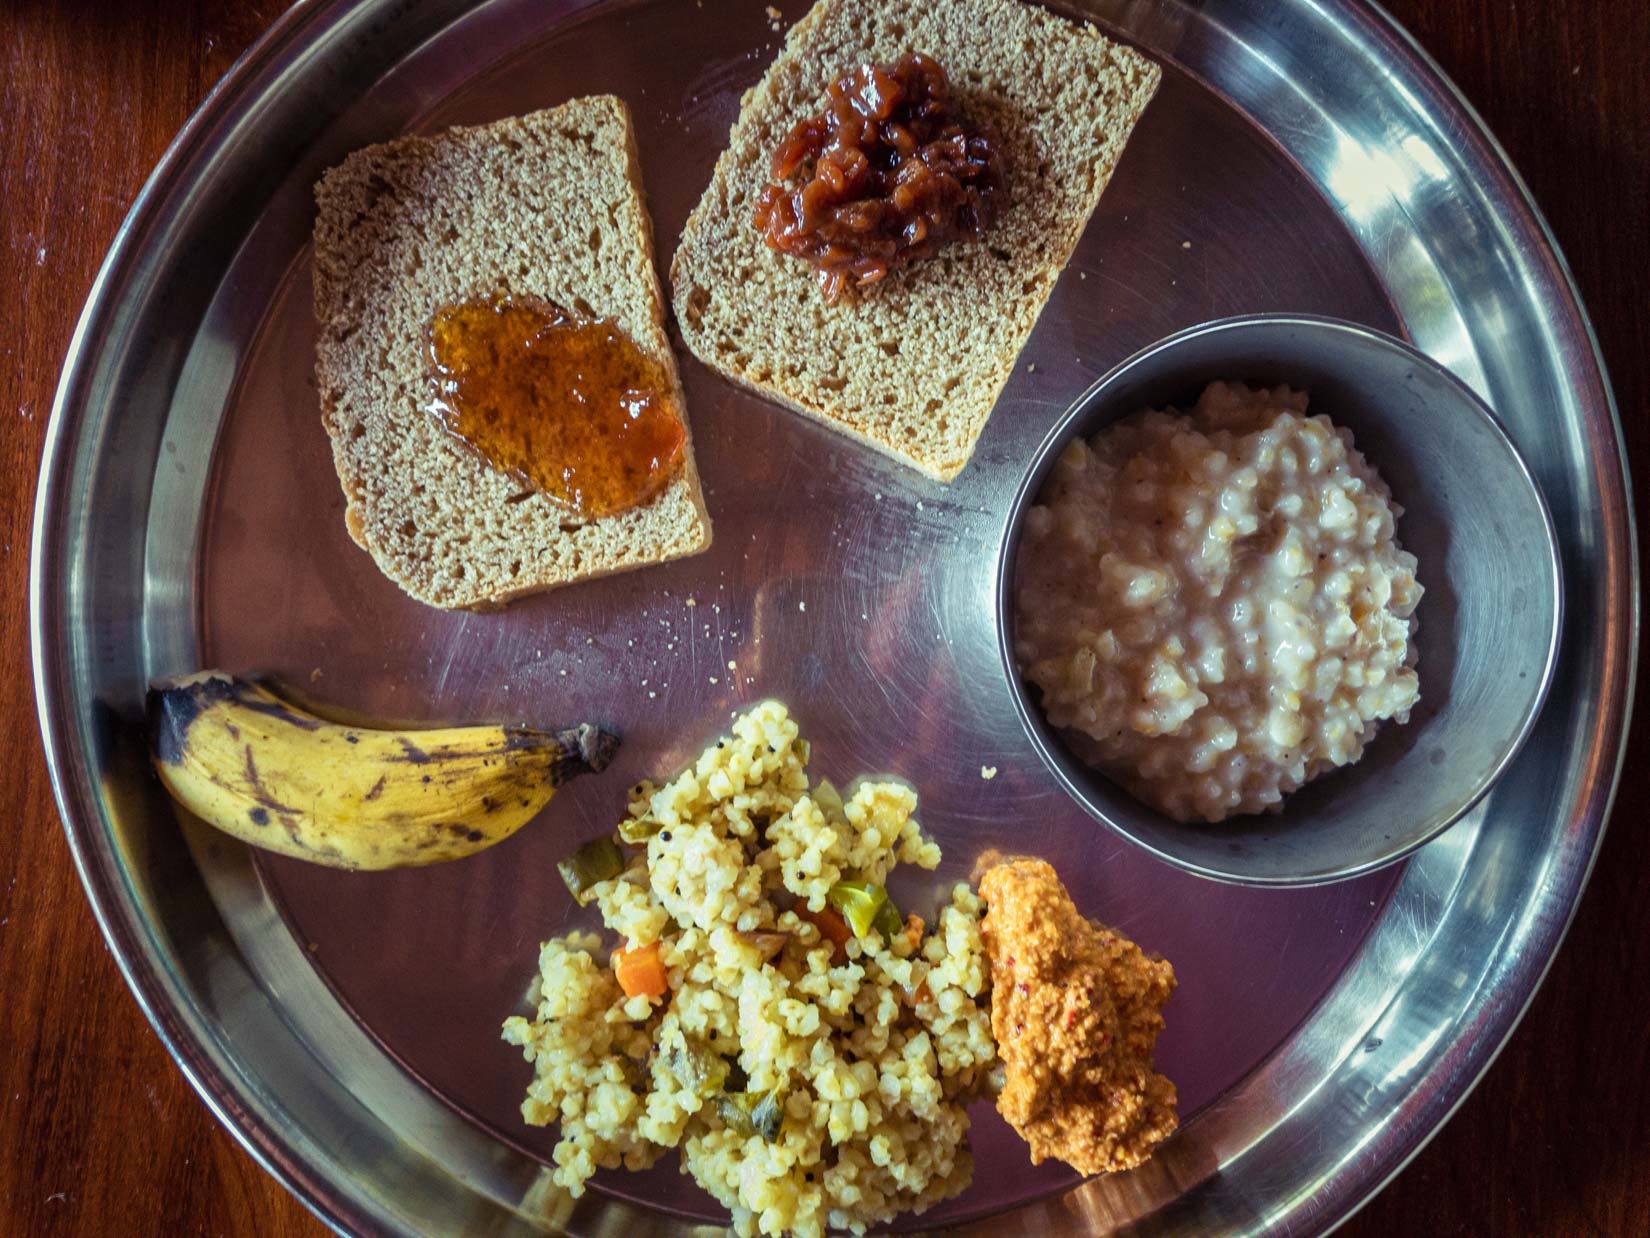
(99, 1132)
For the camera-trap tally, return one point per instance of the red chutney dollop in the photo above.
(1075, 1010)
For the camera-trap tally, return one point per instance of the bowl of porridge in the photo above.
(1278, 600)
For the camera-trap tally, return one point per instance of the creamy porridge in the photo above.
(1215, 605)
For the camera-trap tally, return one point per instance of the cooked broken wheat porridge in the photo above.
(770, 1013)
(1214, 605)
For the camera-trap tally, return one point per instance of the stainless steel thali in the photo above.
(1300, 156)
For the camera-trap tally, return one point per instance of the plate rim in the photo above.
(66, 749)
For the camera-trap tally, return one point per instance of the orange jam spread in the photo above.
(566, 404)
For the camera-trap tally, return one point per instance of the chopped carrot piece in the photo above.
(640, 971)
(832, 927)
(913, 929)
(919, 996)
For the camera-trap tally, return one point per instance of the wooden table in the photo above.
(100, 1134)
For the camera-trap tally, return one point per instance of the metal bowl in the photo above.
(1489, 621)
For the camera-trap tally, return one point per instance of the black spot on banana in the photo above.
(274, 775)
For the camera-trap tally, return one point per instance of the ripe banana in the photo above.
(276, 776)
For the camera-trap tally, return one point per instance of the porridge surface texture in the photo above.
(1214, 605)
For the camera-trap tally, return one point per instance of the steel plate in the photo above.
(1300, 156)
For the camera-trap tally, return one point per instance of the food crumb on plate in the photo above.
(988, 772)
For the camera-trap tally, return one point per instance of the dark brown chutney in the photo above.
(884, 176)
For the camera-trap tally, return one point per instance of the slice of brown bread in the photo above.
(913, 365)
(548, 205)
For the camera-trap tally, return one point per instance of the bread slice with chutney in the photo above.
(913, 364)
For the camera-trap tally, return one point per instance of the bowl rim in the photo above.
(1061, 763)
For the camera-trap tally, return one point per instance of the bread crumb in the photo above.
(1032, 368)
(713, 679)
(774, 16)
(988, 772)
(1185, 245)
(732, 665)
(802, 606)
(692, 602)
